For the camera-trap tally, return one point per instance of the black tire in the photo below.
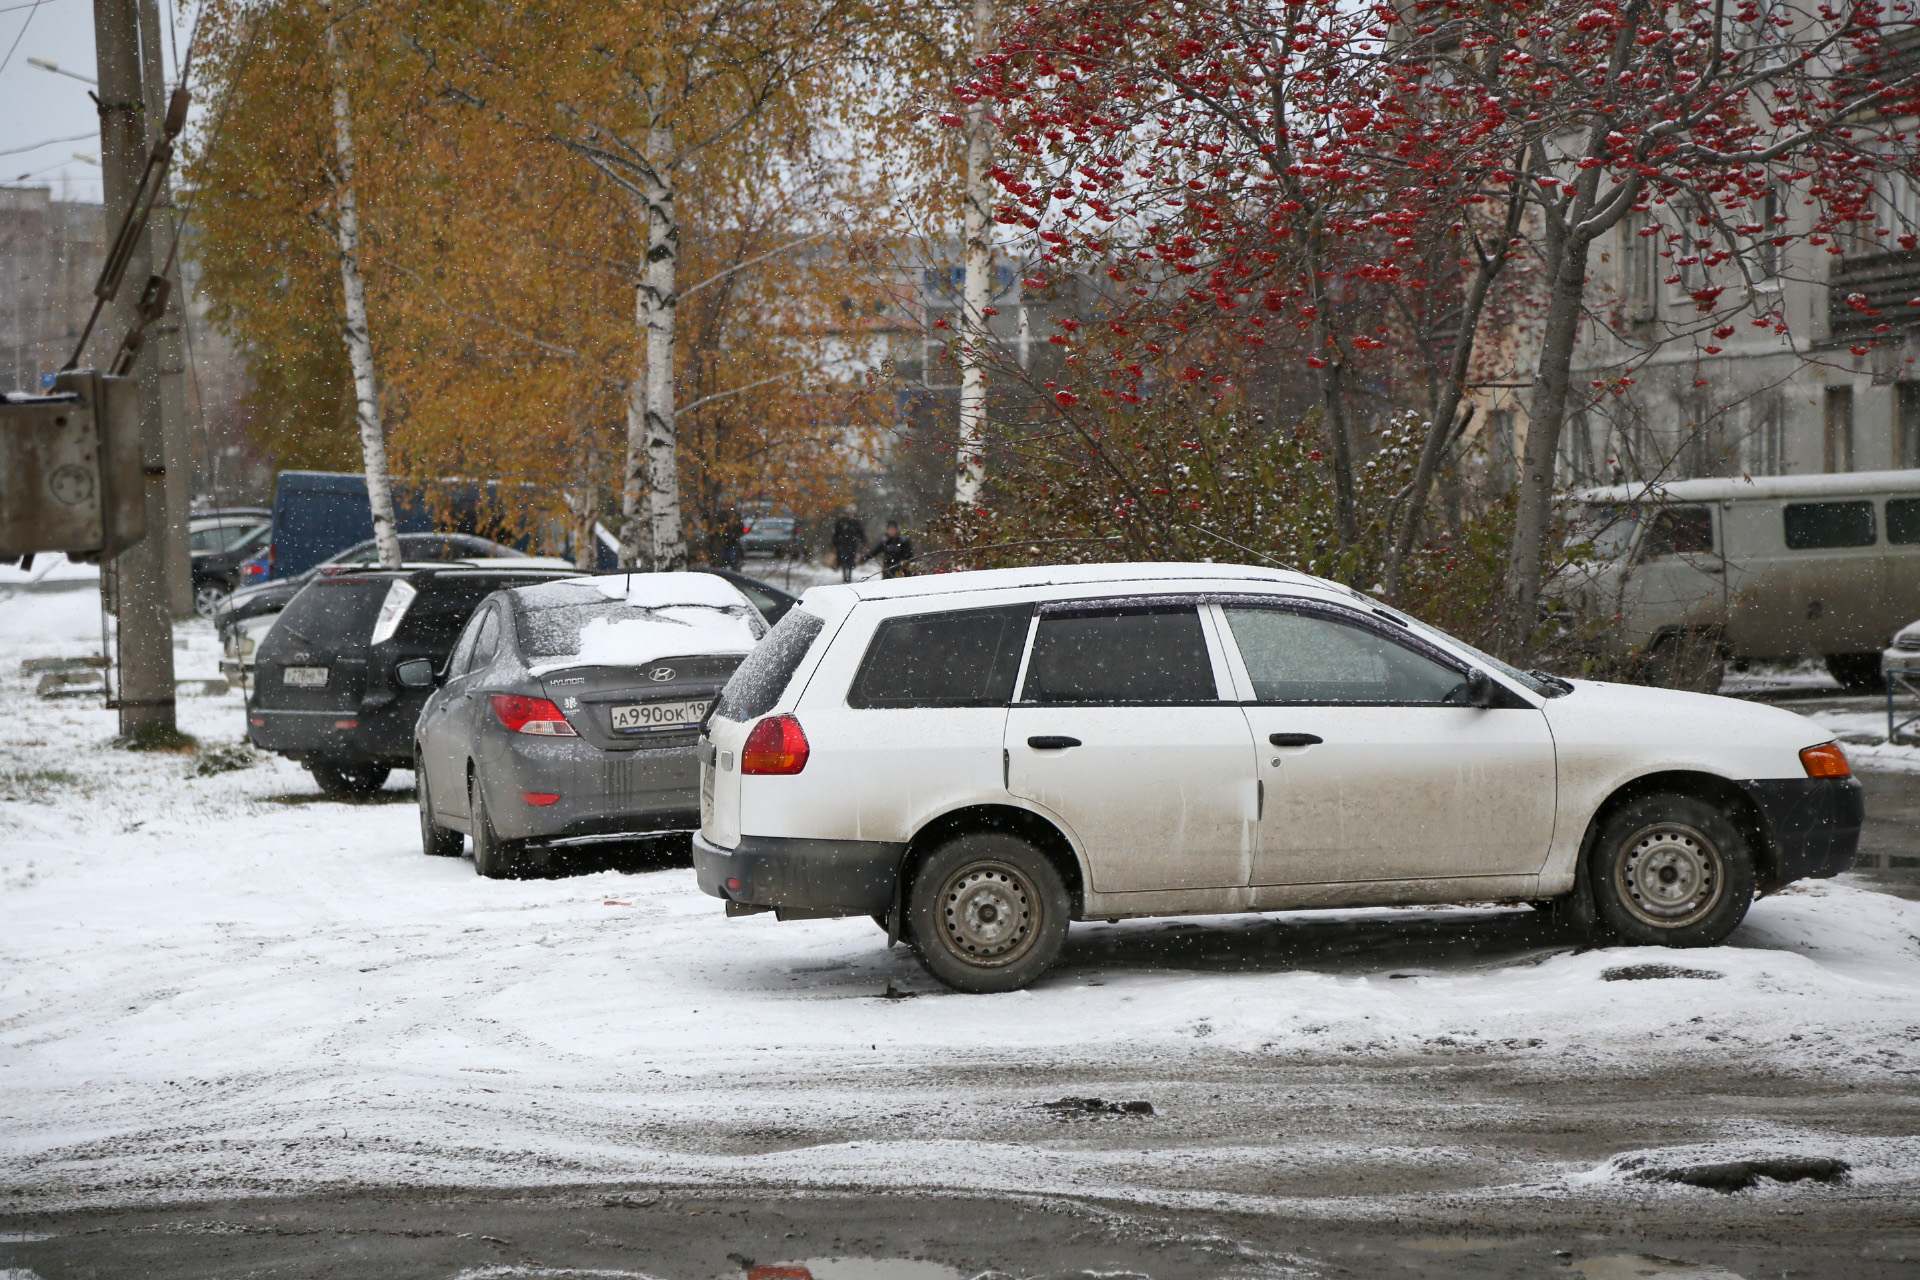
(347, 779)
(1670, 870)
(436, 841)
(987, 912)
(1857, 672)
(494, 858)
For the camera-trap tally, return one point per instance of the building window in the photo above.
(1837, 455)
(1766, 440)
(1500, 461)
(1641, 263)
(1766, 259)
(1906, 435)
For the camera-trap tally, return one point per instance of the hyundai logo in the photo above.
(659, 674)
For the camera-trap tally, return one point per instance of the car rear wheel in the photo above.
(435, 840)
(1857, 672)
(1672, 871)
(347, 779)
(494, 858)
(987, 912)
(207, 597)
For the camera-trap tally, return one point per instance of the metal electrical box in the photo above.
(70, 469)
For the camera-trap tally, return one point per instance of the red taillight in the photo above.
(776, 745)
(1825, 761)
(540, 799)
(536, 716)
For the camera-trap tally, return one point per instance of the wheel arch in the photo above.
(1711, 787)
(1011, 819)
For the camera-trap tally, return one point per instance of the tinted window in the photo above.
(487, 642)
(331, 614)
(1903, 520)
(1303, 657)
(442, 609)
(963, 659)
(1678, 531)
(1810, 525)
(759, 681)
(1141, 654)
(462, 660)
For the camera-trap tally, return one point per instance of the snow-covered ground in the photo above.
(221, 983)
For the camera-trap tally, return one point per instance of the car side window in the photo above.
(1310, 658)
(1678, 531)
(461, 660)
(966, 658)
(1810, 526)
(1120, 654)
(486, 644)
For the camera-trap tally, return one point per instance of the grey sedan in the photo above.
(568, 712)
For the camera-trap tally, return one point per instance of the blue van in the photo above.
(318, 514)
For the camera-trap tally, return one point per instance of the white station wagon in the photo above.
(975, 759)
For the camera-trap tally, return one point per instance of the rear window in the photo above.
(1143, 654)
(962, 659)
(758, 682)
(1812, 525)
(332, 613)
(436, 616)
(1903, 520)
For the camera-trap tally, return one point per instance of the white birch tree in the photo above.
(970, 464)
(359, 338)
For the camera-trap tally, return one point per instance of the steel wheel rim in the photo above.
(989, 914)
(1670, 875)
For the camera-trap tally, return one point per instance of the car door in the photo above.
(435, 730)
(1374, 767)
(465, 703)
(1122, 732)
(1677, 581)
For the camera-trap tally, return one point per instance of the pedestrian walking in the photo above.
(895, 552)
(849, 539)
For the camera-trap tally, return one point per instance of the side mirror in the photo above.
(415, 673)
(1481, 691)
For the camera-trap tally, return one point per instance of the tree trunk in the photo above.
(635, 488)
(970, 466)
(661, 300)
(1526, 565)
(366, 379)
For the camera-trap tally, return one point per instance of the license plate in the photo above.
(304, 677)
(660, 715)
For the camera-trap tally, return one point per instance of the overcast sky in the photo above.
(38, 107)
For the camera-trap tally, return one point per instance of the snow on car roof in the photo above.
(656, 590)
(1169, 573)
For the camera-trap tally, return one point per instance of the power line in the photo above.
(30, 4)
(78, 137)
(25, 22)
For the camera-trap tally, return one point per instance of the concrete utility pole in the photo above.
(169, 359)
(145, 694)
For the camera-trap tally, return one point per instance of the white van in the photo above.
(974, 759)
(1768, 568)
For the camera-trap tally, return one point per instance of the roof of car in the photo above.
(1161, 575)
(1823, 484)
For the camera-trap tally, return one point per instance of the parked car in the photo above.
(569, 712)
(1691, 572)
(770, 600)
(244, 617)
(776, 536)
(217, 547)
(1903, 654)
(329, 688)
(976, 759)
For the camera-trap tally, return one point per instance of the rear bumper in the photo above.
(601, 793)
(847, 877)
(1814, 823)
(382, 736)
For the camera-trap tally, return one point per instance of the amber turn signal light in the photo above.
(1826, 761)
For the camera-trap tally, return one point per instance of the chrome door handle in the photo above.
(1052, 742)
(1294, 739)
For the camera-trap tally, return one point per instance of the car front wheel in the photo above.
(1671, 870)
(207, 597)
(347, 779)
(987, 912)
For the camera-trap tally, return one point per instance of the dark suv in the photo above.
(326, 689)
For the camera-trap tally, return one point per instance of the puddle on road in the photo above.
(1640, 1266)
(854, 1269)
